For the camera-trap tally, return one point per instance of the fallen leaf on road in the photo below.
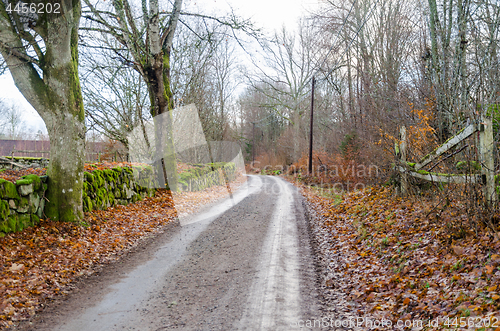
(16, 267)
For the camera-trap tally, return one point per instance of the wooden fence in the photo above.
(487, 160)
(89, 156)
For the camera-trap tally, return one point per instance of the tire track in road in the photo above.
(274, 299)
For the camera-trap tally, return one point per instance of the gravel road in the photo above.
(242, 264)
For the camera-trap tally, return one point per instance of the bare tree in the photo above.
(203, 72)
(115, 96)
(11, 122)
(3, 115)
(146, 45)
(291, 62)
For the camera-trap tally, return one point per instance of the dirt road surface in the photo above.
(242, 264)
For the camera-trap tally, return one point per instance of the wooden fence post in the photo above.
(402, 150)
(488, 160)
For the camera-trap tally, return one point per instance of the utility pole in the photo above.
(253, 143)
(311, 128)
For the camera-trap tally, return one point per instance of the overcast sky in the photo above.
(268, 14)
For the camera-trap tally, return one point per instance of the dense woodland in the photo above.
(431, 66)
(378, 65)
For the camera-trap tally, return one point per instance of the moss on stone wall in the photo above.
(120, 185)
(8, 190)
(203, 176)
(21, 204)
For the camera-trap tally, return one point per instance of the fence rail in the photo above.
(487, 160)
(89, 157)
(95, 151)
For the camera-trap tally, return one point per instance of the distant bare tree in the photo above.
(11, 122)
(3, 111)
(203, 73)
(290, 60)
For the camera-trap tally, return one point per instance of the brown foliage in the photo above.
(345, 170)
(403, 261)
(42, 262)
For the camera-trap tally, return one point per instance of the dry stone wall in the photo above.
(22, 203)
(203, 176)
(118, 186)
(20, 162)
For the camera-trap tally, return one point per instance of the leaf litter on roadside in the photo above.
(391, 260)
(42, 262)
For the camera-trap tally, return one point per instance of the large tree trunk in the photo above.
(440, 35)
(164, 142)
(149, 45)
(152, 58)
(170, 157)
(56, 96)
(462, 7)
(296, 135)
(65, 172)
(158, 81)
